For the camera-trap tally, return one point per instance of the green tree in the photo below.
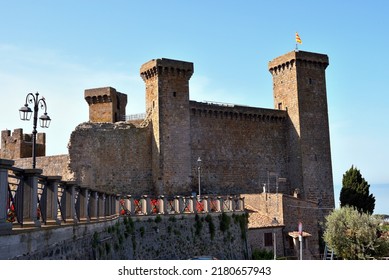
(355, 192)
(353, 235)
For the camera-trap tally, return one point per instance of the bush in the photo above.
(158, 219)
(353, 235)
(262, 254)
(225, 221)
(211, 226)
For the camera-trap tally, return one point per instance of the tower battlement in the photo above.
(166, 67)
(301, 58)
(106, 104)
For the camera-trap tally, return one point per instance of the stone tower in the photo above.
(167, 107)
(299, 87)
(106, 104)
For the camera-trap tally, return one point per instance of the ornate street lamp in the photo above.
(44, 120)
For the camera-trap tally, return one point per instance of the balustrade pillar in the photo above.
(30, 198)
(83, 205)
(130, 204)
(145, 204)
(229, 201)
(196, 207)
(162, 204)
(70, 204)
(218, 204)
(177, 204)
(112, 206)
(93, 206)
(116, 205)
(101, 201)
(5, 227)
(221, 202)
(52, 200)
(190, 204)
(241, 204)
(107, 206)
(205, 204)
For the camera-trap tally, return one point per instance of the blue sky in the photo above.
(61, 48)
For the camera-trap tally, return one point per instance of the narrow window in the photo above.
(174, 94)
(280, 106)
(268, 236)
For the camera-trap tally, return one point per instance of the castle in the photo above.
(242, 149)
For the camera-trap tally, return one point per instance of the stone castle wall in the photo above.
(112, 156)
(173, 237)
(51, 165)
(238, 146)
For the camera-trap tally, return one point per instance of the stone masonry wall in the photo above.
(51, 166)
(237, 146)
(112, 157)
(170, 237)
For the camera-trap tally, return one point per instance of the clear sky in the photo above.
(61, 48)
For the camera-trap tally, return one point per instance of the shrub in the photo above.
(262, 254)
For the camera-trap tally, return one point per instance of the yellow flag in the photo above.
(298, 39)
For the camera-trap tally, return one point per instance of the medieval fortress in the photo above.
(243, 149)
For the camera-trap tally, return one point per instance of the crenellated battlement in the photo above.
(19, 145)
(106, 104)
(236, 112)
(166, 67)
(300, 59)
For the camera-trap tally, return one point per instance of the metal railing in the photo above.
(140, 116)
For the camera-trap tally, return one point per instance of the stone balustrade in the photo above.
(168, 205)
(29, 199)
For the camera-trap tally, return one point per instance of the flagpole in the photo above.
(298, 41)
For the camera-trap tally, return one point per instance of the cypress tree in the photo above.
(356, 192)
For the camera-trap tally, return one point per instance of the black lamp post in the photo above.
(199, 179)
(44, 120)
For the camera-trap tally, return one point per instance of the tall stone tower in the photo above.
(299, 87)
(106, 104)
(167, 106)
